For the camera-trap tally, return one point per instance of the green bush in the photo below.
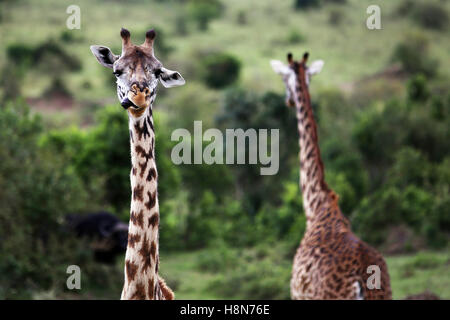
(70, 36)
(49, 58)
(203, 11)
(411, 167)
(305, 4)
(218, 260)
(377, 134)
(417, 88)
(256, 277)
(336, 17)
(37, 189)
(430, 15)
(220, 70)
(295, 37)
(412, 54)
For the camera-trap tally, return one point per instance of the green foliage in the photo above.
(181, 27)
(305, 4)
(295, 37)
(49, 54)
(242, 18)
(389, 207)
(408, 197)
(242, 109)
(221, 259)
(162, 47)
(336, 17)
(70, 36)
(286, 221)
(377, 135)
(345, 172)
(417, 88)
(48, 58)
(412, 54)
(411, 167)
(220, 70)
(37, 190)
(203, 11)
(406, 165)
(259, 276)
(430, 15)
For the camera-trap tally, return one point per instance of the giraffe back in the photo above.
(332, 263)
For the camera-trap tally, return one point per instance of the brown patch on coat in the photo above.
(142, 130)
(145, 252)
(151, 200)
(137, 219)
(133, 239)
(143, 167)
(153, 250)
(131, 270)
(151, 174)
(141, 151)
(138, 193)
(153, 220)
(151, 289)
(139, 293)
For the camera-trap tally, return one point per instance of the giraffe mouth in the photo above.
(136, 99)
(127, 103)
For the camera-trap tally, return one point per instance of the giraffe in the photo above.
(138, 71)
(331, 262)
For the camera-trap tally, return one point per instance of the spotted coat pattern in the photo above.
(331, 262)
(142, 256)
(138, 72)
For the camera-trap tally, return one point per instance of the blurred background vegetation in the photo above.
(382, 104)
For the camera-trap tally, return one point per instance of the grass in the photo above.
(265, 36)
(187, 281)
(410, 274)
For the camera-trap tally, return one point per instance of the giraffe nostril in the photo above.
(146, 91)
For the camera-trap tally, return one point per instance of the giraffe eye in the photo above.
(118, 73)
(157, 72)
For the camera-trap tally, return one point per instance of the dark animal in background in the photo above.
(107, 233)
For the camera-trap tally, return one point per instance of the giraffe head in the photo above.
(137, 71)
(295, 71)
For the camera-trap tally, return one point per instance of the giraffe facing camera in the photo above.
(138, 72)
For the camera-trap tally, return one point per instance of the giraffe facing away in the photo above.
(138, 71)
(331, 262)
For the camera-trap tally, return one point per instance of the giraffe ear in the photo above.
(104, 55)
(315, 67)
(279, 67)
(170, 78)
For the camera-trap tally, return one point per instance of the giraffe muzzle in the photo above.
(137, 98)
(126, 103)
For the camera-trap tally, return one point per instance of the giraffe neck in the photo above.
(142, 255)
(315, 191)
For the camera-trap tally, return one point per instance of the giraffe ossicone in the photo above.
(331, 262)
(138, 72)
